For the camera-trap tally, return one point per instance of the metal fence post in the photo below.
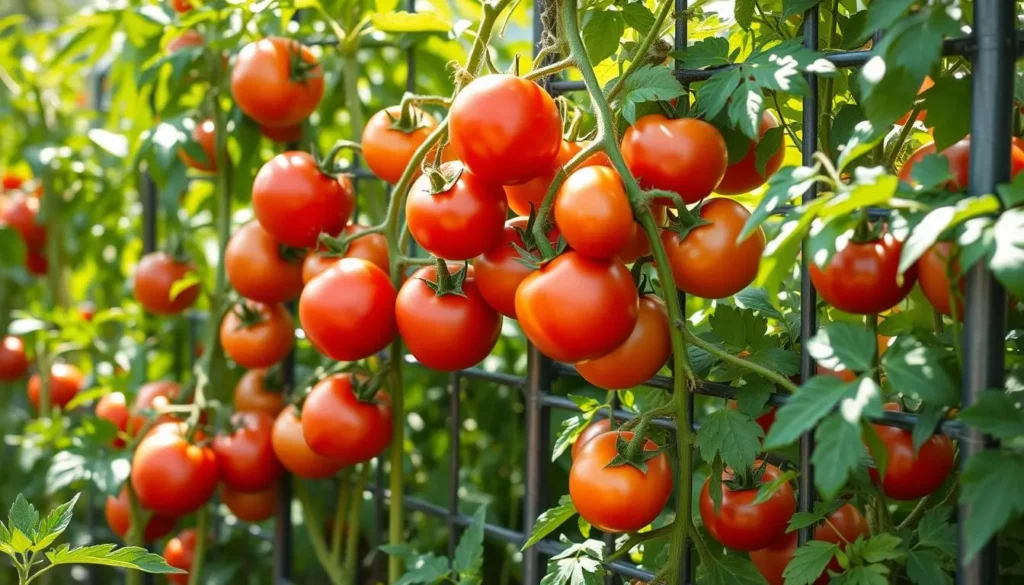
(454, 460)
(538, 382)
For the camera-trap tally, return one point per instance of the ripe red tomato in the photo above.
(595, 428)
(113, 407)
(640, 357)
(686, 155)
(295, 202)
(11, 181)
(373, 247)
(251, 395)
(959, 157)
(119, 517)
(387, 150)
(708, 262)
(932, 274)
(250, 507)
(521, 197)
(171, 476)
(264, 83)
(909, 476)
(152, 396)
(332, 406)
(204, 134)
(593, 212)
(861, 278)
(771, 562)
(36, 263)
(600, 158)
(512, 148)
(261, 344)
(179, 552)
(925, 86)
(742, 177)
(601, 316)
(621, 498)
(245, 458)
(286, 134)
(638, 244)
(155, 275)
(743, 525)
(449, 332)
(189, 38)
(260, 269)
(66, 382)
(293, 452)
(499, 271)
(13, 361)
(459, 223)
(21, 213)
(181, 6)
(351, 326)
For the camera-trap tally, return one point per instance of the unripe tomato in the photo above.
(245, 458)
(499, 272)
(21, 213)
(351, 326)
(339, 426)
(459, 223)
(593, 212)
(251, 395)
(113, 408)
(189, 38)
(285, 134)
(13, 361)
(594, 429)
(372, 247)
(154, 276)
(119, 517)
(959, 157)
(621, 498)
(741, 524)
(862, 277)
(771, 562)
(687, 156)
(293, 452)
(449, 332)
(152, 396)
(171, 476)
(250, 506)
(742, 177)
(909, 476)
(296, 202)
(261, 269)
(510, 148)
(640, 357)
(204, 133)
(66, 382)
(601, 316)
(261, 344)
(933, 271)
(387, 150)
(264, 84)
(179, 552)
(708, 262)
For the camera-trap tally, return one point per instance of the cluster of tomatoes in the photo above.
(19, 209)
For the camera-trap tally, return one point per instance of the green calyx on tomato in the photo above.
(530, 254)
(632, 452)
(443, 179)
(299, 69)
(447, 283)
(685, 220)
(409, 120)
(248, 316)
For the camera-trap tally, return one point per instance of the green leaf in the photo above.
(427, 568)
(931, 171)
(649, 83)
(837, 453)
(767, 490)
(883, 14)
(881, 547)
(927, 420)
(571, 429)
(843, 345)
(869, 575)
(402, 551)
(921, 370)
(602, 30)
(732, 435)
(714, 94)
(638, 17)
(745, 107)
(550, 520)
(946, 103)
(924, 567)
(584, 526)
(1011, 195)
(406, 22)
(23, 517)
(821, 511)
(744, 13)
(129, 557)
(55, 523)
(990, 486)
(793, 7)
(469, 554)
(757, 299)
(752, 397)
(737, 327)
(785, 185)
(769, 143)
(19, 541)
(579, 564)
(729, 570)
(925, 234)
(876, 447)
(976, 240)
(1007, 261)
(12, 249)
(995, 413)
(781, 361)
(809, 562)
(709, 52)
(183, 284)
(865, 137)
(935, 532)
(811, 402)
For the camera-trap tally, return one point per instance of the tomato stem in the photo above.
(196, 570)
(539, 224)
(637, 538)
(315, 531)
(551, 69)
(337, 530)
(737, 361)
(640, 56)
(352, 537)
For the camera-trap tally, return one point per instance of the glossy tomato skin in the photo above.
(595, 428)
(295, 202)
(285, 134)
(909, 476)
(66, 382)
(640, 357)
(512, 148)
(293, 451)
(154, 276)
(601, 316)
(357, 324)
(262, 86)
(743, 525)
(593, 212)
(959, 157)
(742, 177)
(260, 345)
(499, 272)
(387, 151)
(933, 274)
(638, 244)
(21, 213)
(189, 38)
(861, 278)
(245, 458)
(36, 263)
(708, 262)
(181, 6)
(119, 517)
(250, 506)
(373, 247)
(621, 498)
(13, 361)
(171, 476)
(449, 332)
(332, 406)
(113, 408)
(771, 562)
(687, 156)
(460, 223)
(252, 395)
(258, 270)
(204, 133)
(152, 396)
(179, 553)
(520, 197)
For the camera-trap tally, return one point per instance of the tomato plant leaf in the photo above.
(550, 520)
(865, 136)
(743, 11)
(883, 14)
(737, 327)
(578, 564)
(782, 361)
(876, 447)
(649, 83)
(794, 7)
(927, 419)
(767, 145)
(880, 548)
(469, 554)
(714, 94)
(1010, 194)
(922, 371)
(583, 526)
(745, 107)
(946, 103)
(935, 532)
(785, 185)
(129, 557)
(976, 238)
(811, 402)
(924, 567)
(990, 485)
(809, 562)
(423, 569)
(710, 52)
(12, 251)
(821, 511)
(729, 570)
(732, 435)
(23, 517)
(638, 17)
(863, 575)
(571, 429)
(757, 299)
(995, 413)
(843, 345)
(837, 452)
(1007, 261)
(924, 234)
(752, 397)
(55, 523)
(767, 490)
(602, 30)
